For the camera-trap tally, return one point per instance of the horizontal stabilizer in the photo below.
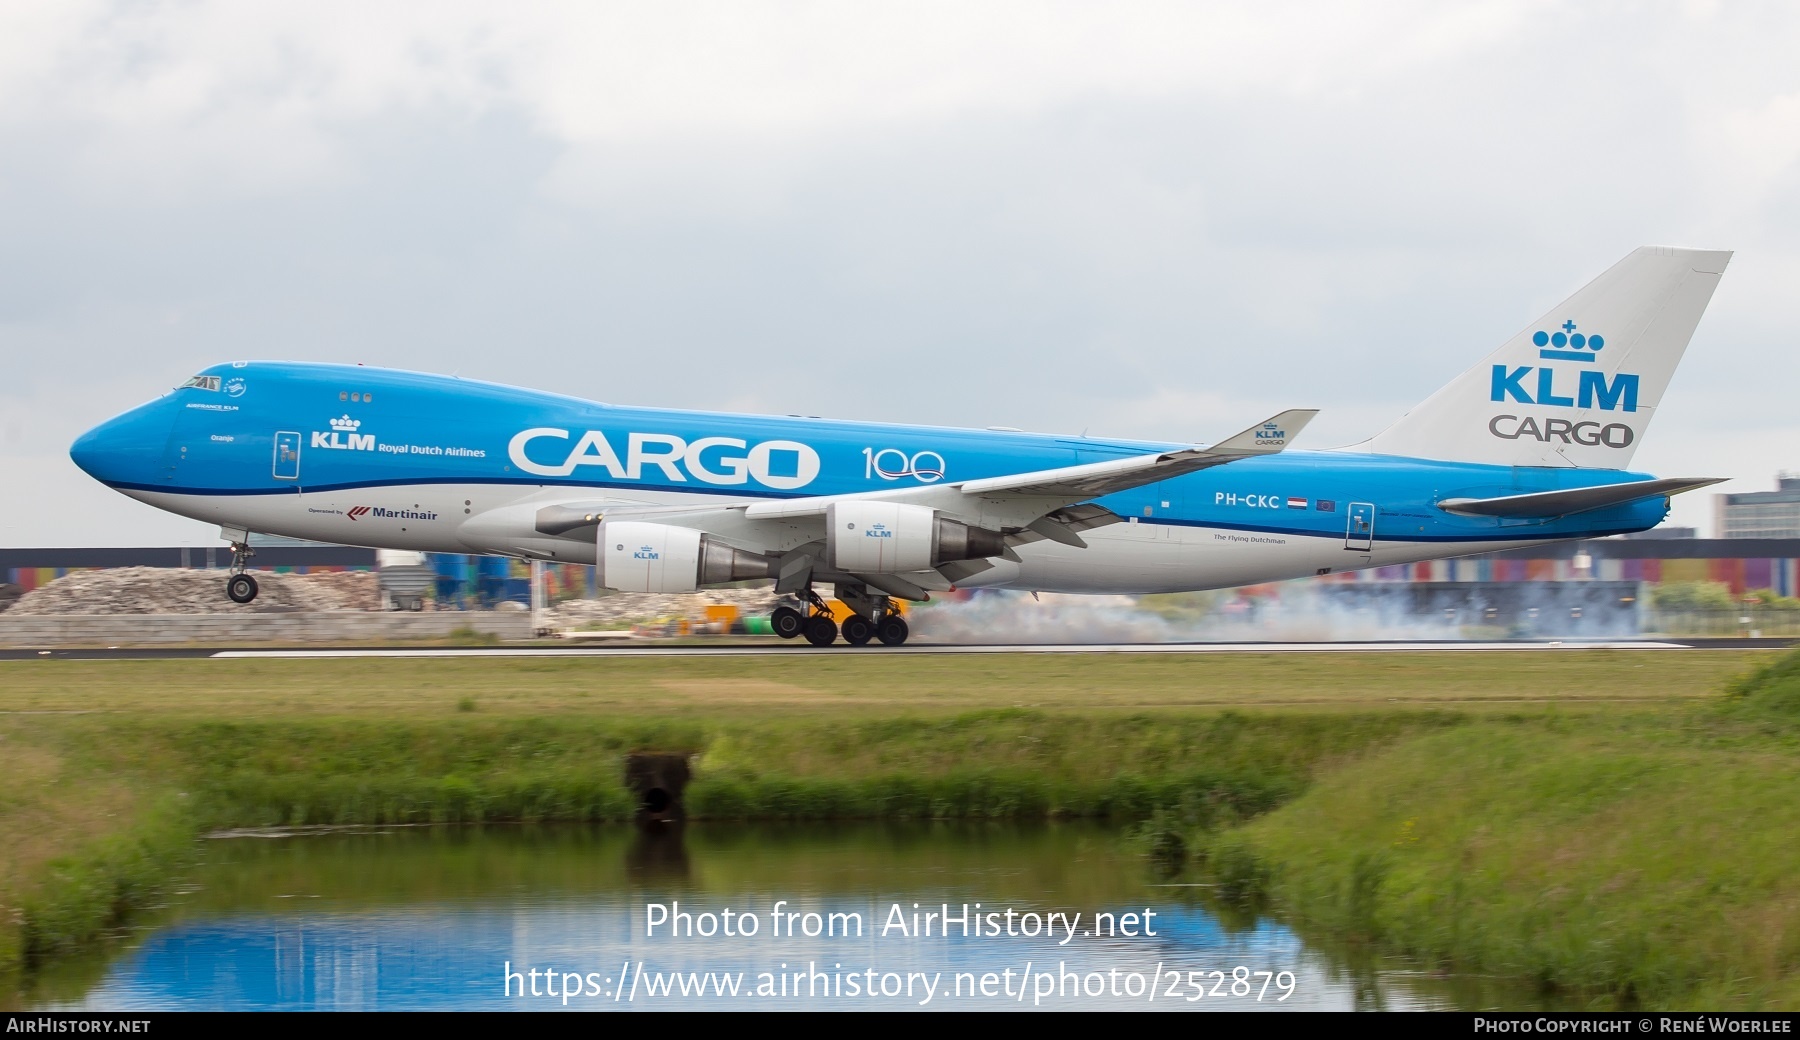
(1575, 500)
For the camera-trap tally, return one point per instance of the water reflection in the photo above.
(658, 854)
(462, 918)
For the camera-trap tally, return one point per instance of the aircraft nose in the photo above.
(126, 448)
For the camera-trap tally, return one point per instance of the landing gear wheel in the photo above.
(858, 630)
(241, 588)
(892, 631)
(787, 622)
(821, 630)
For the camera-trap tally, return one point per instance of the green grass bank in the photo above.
(1635, 859)
(183, 778)
(109, 771)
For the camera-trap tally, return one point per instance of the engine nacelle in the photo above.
(874, 537)
(636, 556)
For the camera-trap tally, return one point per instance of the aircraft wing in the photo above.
(1105, 478)
(1040, 492)
(1015, 509)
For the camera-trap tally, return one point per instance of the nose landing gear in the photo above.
(240, 587)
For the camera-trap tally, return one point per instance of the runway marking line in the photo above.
(1094, 648)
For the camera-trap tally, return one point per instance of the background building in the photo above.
(1760, 514)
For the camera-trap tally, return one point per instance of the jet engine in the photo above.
(875, 537)
(636, 556)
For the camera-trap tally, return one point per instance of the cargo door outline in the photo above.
(1359, 527)
(174, 454)
(287, 455)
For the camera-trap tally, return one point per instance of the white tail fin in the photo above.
(1580, 385)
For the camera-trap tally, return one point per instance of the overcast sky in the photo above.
(1158, 220)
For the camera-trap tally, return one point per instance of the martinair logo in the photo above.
(1592, 388)
(343, 436)
(383, 513)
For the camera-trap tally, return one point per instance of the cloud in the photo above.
(1144, 219)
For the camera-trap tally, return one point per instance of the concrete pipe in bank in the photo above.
(658, 782)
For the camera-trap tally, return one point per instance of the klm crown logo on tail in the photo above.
(1568, 337)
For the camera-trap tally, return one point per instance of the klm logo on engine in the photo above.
(646, 552)
(343, 436)
(1552, 386)
(877, 531)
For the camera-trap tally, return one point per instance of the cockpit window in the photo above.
(202, 383)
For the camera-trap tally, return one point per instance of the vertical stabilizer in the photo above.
(1579, 386)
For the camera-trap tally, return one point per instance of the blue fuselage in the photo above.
(297, 449)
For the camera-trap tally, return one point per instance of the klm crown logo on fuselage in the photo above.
(343, 436)
(1563, 387)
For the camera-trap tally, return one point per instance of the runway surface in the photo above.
(765, 649)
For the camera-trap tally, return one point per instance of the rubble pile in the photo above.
(176, 590)
(625, 608)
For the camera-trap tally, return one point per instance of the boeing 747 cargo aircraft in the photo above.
(1530, 445)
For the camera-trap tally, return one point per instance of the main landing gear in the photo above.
(816, 626)
(240, 587)
(874, 620)
(892, 630)
(787, 622)
(857, 630)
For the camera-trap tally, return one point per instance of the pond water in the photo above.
(1058, 916)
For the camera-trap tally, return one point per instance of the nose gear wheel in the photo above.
(240, 587)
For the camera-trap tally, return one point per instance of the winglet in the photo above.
(1266, 438)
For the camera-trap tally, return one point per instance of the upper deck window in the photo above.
(202, 383)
